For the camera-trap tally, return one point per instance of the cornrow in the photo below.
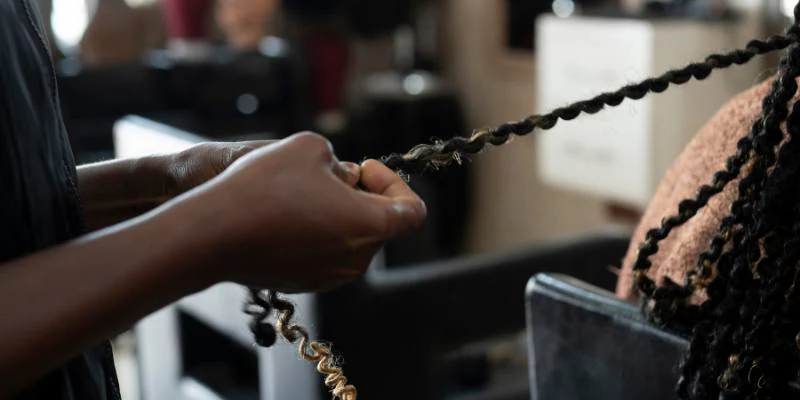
(721, 348)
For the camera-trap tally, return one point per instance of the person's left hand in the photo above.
(117, 190)
(198, 164)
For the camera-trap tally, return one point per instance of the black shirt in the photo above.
(39, 200)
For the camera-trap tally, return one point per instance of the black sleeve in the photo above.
(39, 202)
(38, 196)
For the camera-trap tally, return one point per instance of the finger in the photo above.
(379, 179)
(401, 209)
(349, 173)
(401, 215)
(321, 149)
(223, 154)
(313, 145)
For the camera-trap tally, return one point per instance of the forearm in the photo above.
(58, 302)
(115, 191)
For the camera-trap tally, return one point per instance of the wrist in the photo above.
(114, 191)
(161, 179)
(194, 234)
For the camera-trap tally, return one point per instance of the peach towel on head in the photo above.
(702, 157)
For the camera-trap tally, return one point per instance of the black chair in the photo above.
(584, 343)
(404, 322)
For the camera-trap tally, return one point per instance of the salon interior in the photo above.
(507, 292)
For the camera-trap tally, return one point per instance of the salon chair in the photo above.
(398, 328)
(586, 344)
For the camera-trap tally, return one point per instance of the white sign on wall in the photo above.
(606, 153)
(622, 153)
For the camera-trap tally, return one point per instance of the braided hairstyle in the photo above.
(745, 337)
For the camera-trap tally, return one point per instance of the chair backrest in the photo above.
(421, 314)
(586, 344)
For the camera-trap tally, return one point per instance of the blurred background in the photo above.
(375, 77)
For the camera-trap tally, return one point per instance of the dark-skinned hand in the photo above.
(288, 216)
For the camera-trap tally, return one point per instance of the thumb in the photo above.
(401, 216)
(401, 209)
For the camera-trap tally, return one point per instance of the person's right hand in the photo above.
(288, 216)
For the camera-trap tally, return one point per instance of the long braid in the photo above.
(432, 156)
(759, 352)
(746, 319)
(788, 330)
(731, 297)
(778, 266)
(746, 152)
(758, 149)
(668, 302)
(741, 299)
(761, 366)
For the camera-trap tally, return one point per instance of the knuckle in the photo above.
(309, 138)
(205, 148)
(241, 150)
(255, 146)
(201, 146)
(316, 144)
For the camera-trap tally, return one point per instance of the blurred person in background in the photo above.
(245, 22)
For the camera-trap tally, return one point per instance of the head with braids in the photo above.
(737, 302)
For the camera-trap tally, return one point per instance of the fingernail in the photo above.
(402, 208)
(405, 209)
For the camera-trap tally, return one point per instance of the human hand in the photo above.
(200, 163)
(118, 190)
(288, 216)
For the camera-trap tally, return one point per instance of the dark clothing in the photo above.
(39, 203)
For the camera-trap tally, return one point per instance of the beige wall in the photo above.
(512, 207)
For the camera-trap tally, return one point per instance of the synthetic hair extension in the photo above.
(260, 306)
(744, 342)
